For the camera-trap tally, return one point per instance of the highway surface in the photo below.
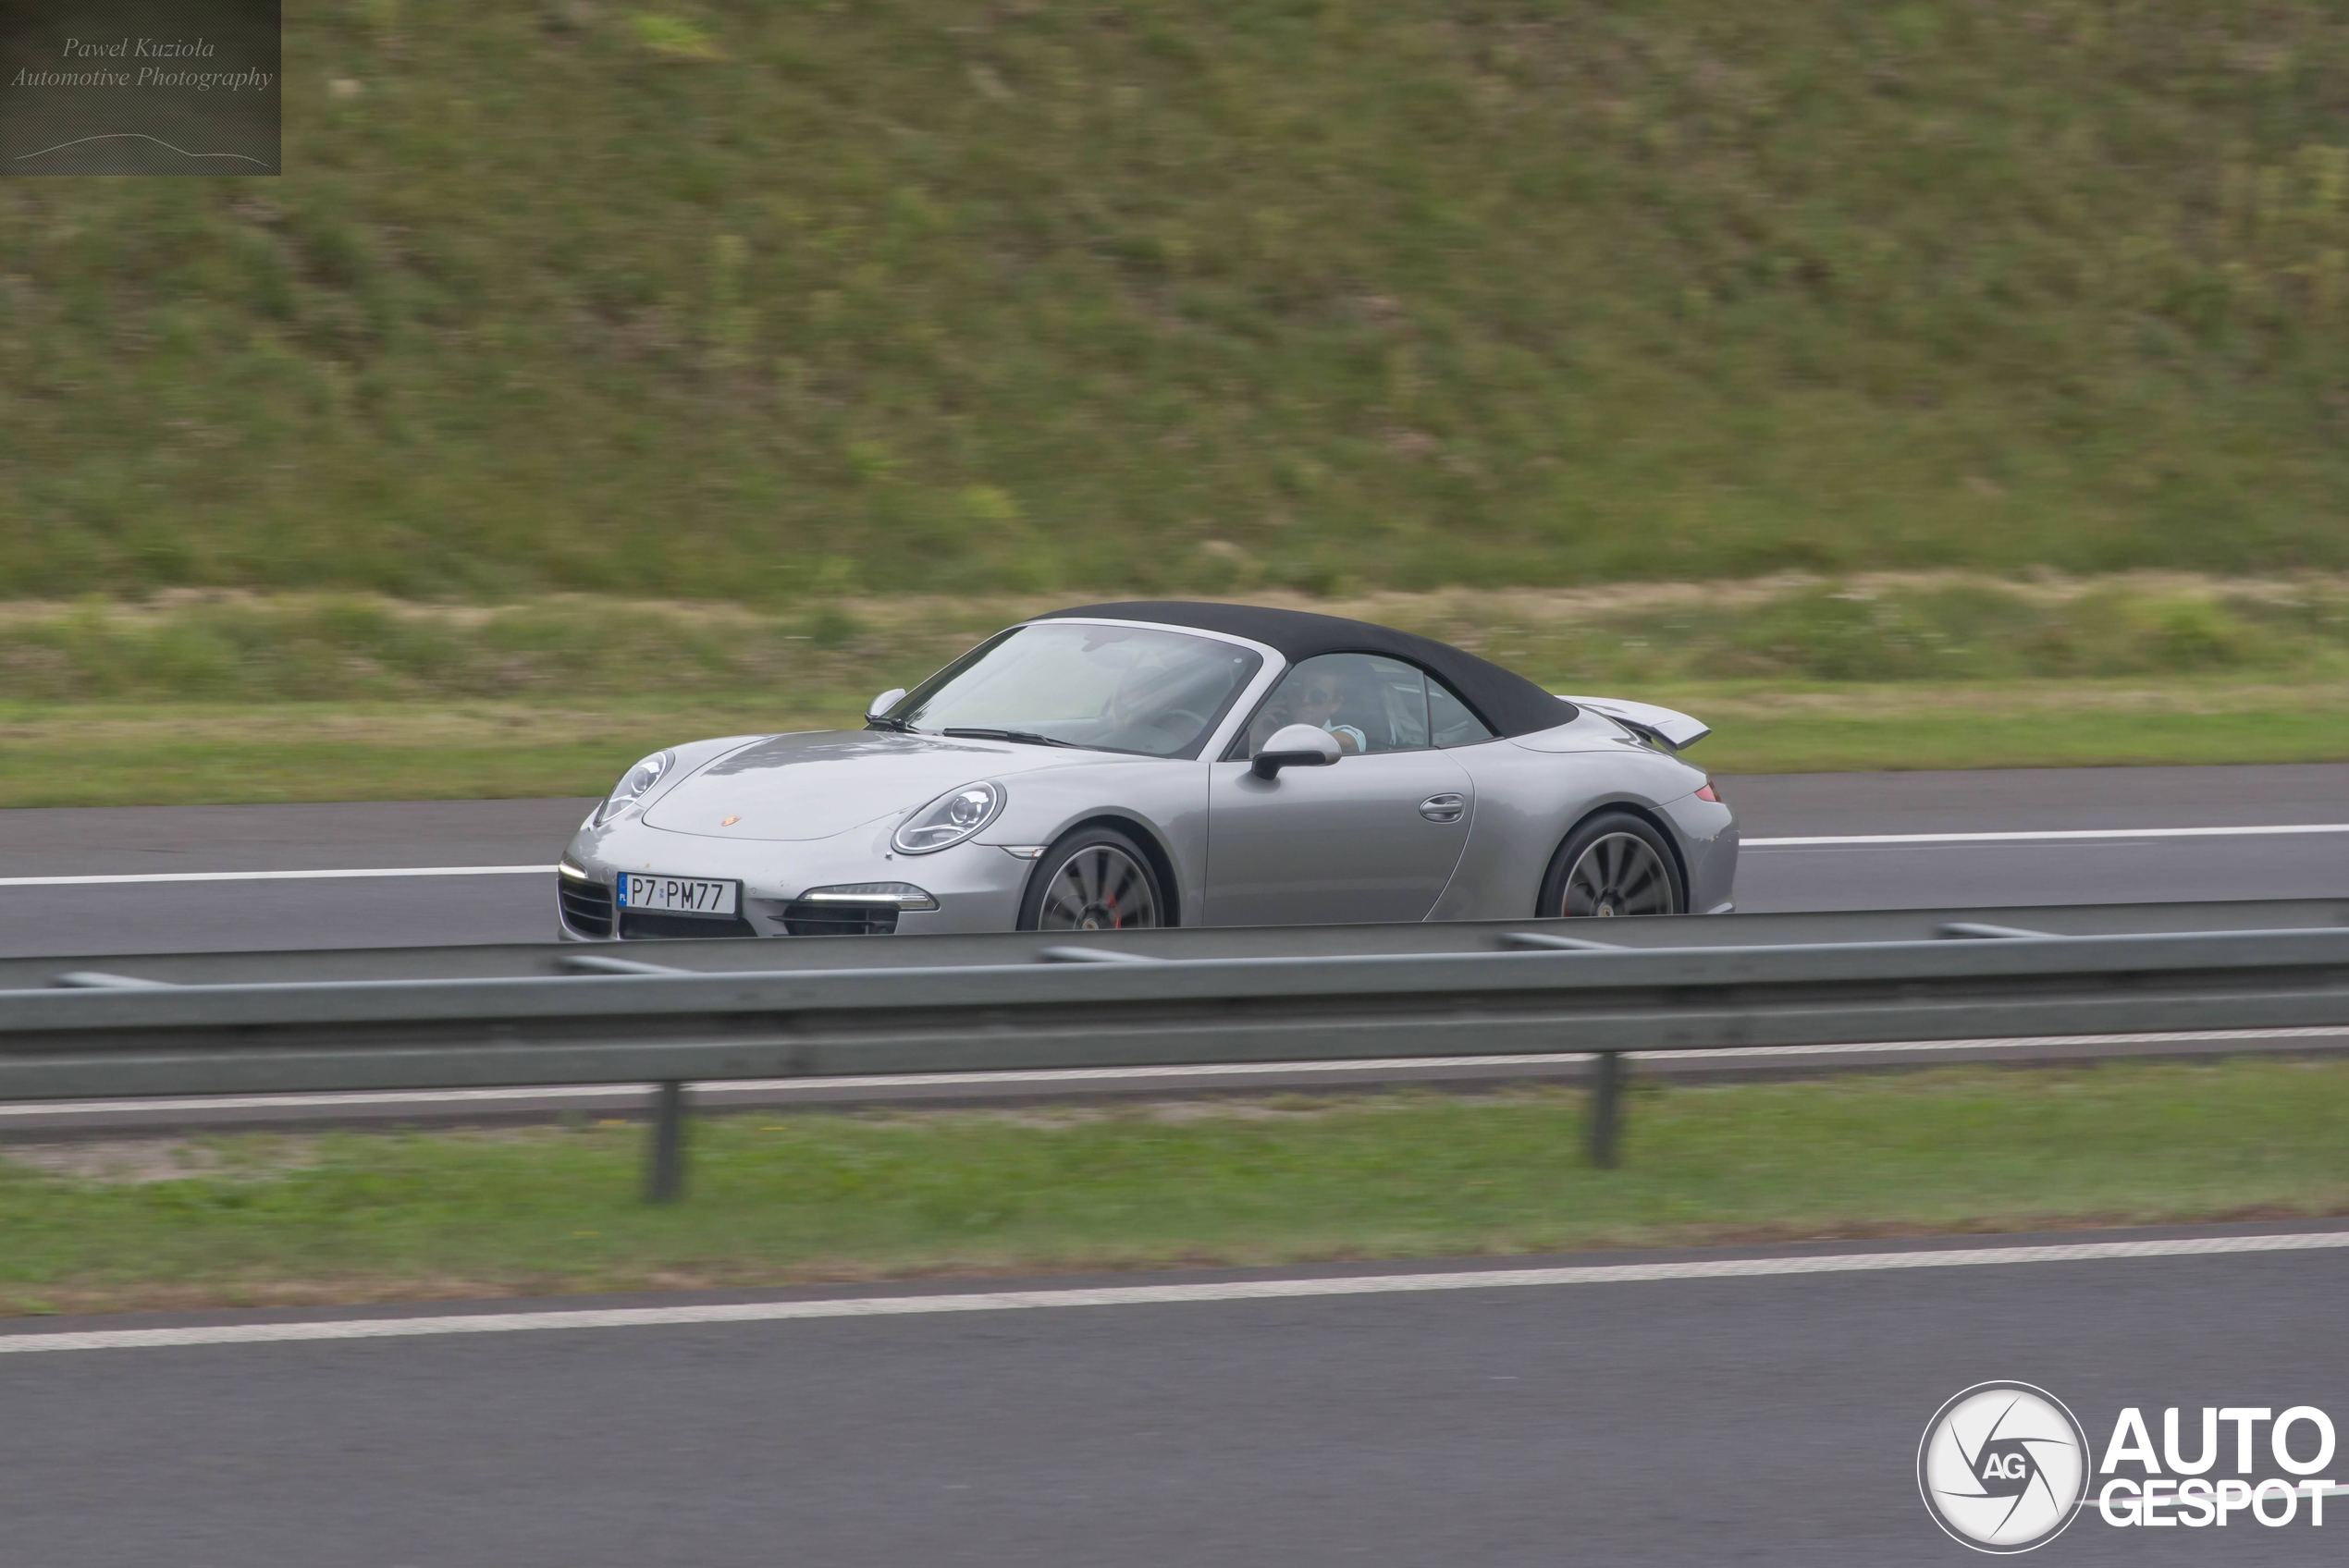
(467, 898)
(1745, 1415)
(1744, 1412)
(213, 878)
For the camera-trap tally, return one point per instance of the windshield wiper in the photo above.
(1028, 737)
(882, 721)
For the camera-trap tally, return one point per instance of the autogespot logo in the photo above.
(2003, 1467)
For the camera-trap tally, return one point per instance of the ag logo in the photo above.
(2003, 1467)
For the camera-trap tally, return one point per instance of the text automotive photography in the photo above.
(139, 87)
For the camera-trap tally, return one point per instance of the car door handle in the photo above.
(1446, 807)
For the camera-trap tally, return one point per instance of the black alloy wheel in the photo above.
(1613, 864)
(1095, 879)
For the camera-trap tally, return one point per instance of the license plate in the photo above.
(678, 895)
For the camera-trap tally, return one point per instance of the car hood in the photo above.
(792, 788)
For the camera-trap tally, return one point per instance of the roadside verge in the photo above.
(824, 1196)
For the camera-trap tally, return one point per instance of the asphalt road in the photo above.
(272, 915)
(2022, 800)
(1688, 1421)
(263, 916)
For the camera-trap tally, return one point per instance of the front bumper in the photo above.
(977, 887)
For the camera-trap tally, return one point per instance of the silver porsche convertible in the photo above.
(1165, 763)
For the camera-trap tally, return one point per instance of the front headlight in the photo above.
(634, 783)
(950, 818)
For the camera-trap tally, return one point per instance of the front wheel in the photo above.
(1615, 863)
(1095, 879)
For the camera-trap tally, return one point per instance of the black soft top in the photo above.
(1508, 703)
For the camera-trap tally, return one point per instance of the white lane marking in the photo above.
(2055, 833)
(1796, 843)
(1117, 1075)
(277, 876)
(1146, 1295)
(2019, 1042)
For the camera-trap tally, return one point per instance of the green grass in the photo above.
(292, 697)
(714, 299)
(222, 753)
(1872, 728)
(1925, 629)
(813, 1195)
(104, 754)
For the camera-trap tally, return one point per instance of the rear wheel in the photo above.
(1095, 879)
(1615, 863)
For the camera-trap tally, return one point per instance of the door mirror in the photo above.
(1296, 745)
(883, 703)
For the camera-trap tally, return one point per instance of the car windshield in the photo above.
(1114, 688)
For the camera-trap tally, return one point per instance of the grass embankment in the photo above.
(288, 697)
(151, 755)
(815, 1196)
(721, 300)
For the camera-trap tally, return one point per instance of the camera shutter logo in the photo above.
(2003, 1467)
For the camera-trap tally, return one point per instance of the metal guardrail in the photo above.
(1533, 988)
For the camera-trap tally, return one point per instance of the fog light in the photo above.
(894, 894)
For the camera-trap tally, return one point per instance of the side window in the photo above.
(1450, 718)
(1369, 703)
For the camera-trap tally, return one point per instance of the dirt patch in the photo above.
(138, 1161)
(2039, 586)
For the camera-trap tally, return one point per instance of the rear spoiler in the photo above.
(1678, 732)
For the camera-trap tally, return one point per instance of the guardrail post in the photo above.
(665, 1171)
(1606, 1107)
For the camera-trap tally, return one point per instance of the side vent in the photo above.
(585, 907)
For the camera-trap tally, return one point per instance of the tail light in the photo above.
(1706, 792)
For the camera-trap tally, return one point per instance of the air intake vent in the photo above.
(839, 920)
(586, 906)
(638, 923)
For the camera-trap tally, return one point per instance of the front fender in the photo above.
(692, 757)
(1166, 801)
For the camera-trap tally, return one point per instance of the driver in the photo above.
(1313, 697)
(1146, 706)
